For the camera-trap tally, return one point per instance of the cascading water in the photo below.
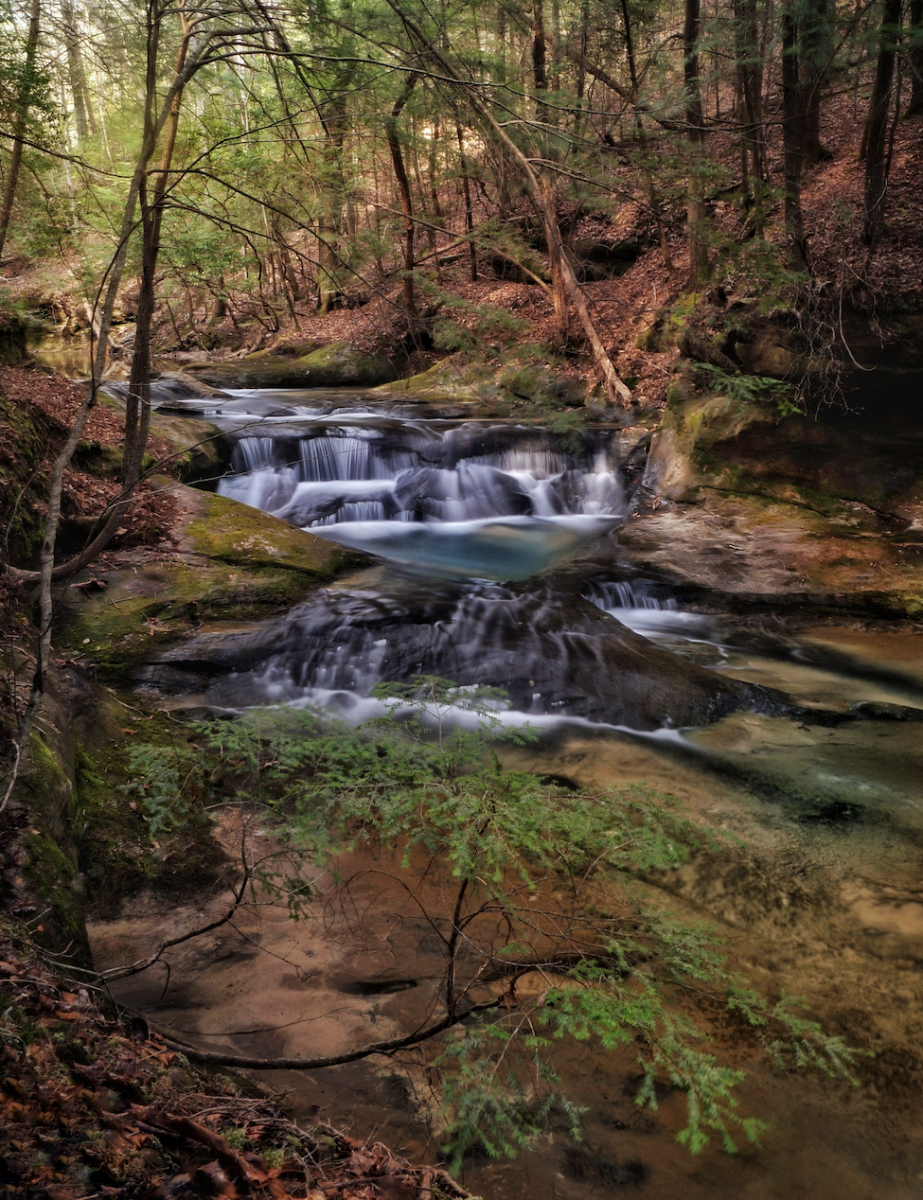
(636, 604)
(472, 513)
(463, 501)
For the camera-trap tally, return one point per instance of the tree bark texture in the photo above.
(469, 215)
(816, 54)
(876, 128)
(333, 119)
(23, 105)
(539, 61)
(915, 58)
(793, 119)
(699, 266)
(84, 117)
(749, 56)
(403, 187)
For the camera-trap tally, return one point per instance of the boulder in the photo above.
(339, 364)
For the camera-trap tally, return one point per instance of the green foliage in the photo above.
(464, 325)
(750, 389)
(164, 780)
(559, 938)
(486, 1102)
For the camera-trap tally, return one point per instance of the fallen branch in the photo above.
(219, 1059)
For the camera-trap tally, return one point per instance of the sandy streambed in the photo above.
(820, 894)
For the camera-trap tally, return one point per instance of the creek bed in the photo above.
(499, 568)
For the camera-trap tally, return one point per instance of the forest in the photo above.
(461, 573)
(196, 177)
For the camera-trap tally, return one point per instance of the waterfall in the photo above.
(423, 473)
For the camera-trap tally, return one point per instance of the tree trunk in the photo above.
(469, 216)
(20, 121)
(632, 65)
(138, 396)
(877, 122)
(915, 58)
(793, 117)
(580, 62)
(333, 118)
(816, 53)
(403, 187)
(699, 266)
(539, 61)
(750, 81)
(83, 108)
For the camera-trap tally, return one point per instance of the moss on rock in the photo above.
(232, 563)
(13, 333)
(116, 853)
(24, 435)
(201, 451)
(498, 387)
(339, 364)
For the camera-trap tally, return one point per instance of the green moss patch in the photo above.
(230, 532)
(339, 364)
(234, 563)
(24, 436)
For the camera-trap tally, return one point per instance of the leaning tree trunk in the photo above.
(615, 388)
(876, 128)
(20, 121)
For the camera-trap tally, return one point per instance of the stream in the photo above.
(497, 563)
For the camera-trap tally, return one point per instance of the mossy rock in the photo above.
(339, 364)
(498, 387)
(681, 458)
(24, 435)
(116, 853)
(671, 323)
(342, 365)
(201, 450)
(45, 785)
(52, 881)
(445, 381)
(229, 532)
(233, 563)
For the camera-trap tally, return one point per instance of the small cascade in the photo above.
(635, 603)
(613, 594)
